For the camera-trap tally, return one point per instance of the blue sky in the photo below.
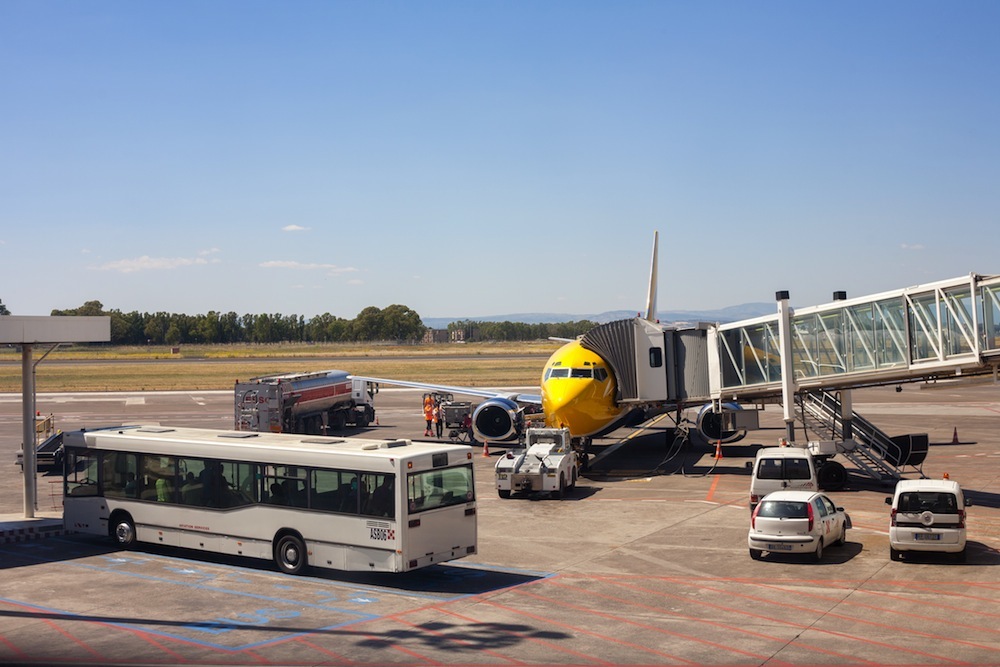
(483, 158)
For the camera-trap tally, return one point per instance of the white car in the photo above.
(796, 522)
(927, 515)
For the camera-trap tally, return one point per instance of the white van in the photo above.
(927, 515)
(781, 469)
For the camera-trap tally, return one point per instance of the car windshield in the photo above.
(785, 509)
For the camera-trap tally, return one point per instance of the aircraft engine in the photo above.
(497, 420)
(710, 424)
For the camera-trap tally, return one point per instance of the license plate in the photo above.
(779, 547)
(927, 536)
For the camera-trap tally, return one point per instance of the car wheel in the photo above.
(756, 554)
(818, 554)
(894, 554)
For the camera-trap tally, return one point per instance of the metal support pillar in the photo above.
(846, 414)
(28, 431)
(787, 370)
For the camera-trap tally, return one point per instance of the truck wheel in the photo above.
(572, 483)
(503, 493)
(560, 493)
(361, 420)
(337, 421)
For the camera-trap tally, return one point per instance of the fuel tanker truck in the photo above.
(318, 403)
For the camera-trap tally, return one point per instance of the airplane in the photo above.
(578, 391)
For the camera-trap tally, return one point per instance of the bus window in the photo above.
(217, 483)
(120, 475)
(81, 473)
(334, 491)
(286, 485)
(439, 488)
(244, 487)
(382, 499)
(158, 475)
(192, 473)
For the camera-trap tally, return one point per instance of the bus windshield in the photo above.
(432, 489)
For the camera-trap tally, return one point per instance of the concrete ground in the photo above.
(644, 563)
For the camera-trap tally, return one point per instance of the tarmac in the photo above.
(644, 563)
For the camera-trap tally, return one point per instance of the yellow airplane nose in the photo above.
(583, 402)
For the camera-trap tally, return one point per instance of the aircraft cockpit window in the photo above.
(601, 374)
(557, 373)
(581, 373)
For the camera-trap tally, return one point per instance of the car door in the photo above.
(832, 520)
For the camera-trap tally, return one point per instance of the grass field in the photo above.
(99, 368)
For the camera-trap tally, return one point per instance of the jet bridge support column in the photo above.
(28, 432)
(787, 370)
(846, 403)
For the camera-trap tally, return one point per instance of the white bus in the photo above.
(345, 504)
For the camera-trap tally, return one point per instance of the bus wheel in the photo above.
(123, 530)
(290, 554)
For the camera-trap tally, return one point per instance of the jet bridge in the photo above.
(940, 330)
(945, 329)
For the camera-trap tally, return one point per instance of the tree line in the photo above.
(395, 323)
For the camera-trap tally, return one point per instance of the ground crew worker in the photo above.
(428, 416)
(438, 417)
(467, 426)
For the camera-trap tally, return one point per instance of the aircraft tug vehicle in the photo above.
(547, 462)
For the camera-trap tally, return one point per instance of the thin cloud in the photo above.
(911, 246)
(306, 266)
(147, 263)
(295, 228)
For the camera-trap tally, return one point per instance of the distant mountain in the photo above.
(729, 314)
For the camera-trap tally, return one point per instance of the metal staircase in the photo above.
(870, 450)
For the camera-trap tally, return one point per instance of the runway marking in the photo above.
(711, 489)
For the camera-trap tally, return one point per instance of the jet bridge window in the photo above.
(655, 357)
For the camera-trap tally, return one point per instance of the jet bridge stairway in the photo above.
(874, 453)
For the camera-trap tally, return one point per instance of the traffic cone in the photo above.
(486, 448)
(376, 421)
(718, 450)
(954, 437)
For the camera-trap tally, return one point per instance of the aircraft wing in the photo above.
(533, 399)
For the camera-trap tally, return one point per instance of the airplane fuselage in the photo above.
(578, 392)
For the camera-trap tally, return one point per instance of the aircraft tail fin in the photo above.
(651, 296)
